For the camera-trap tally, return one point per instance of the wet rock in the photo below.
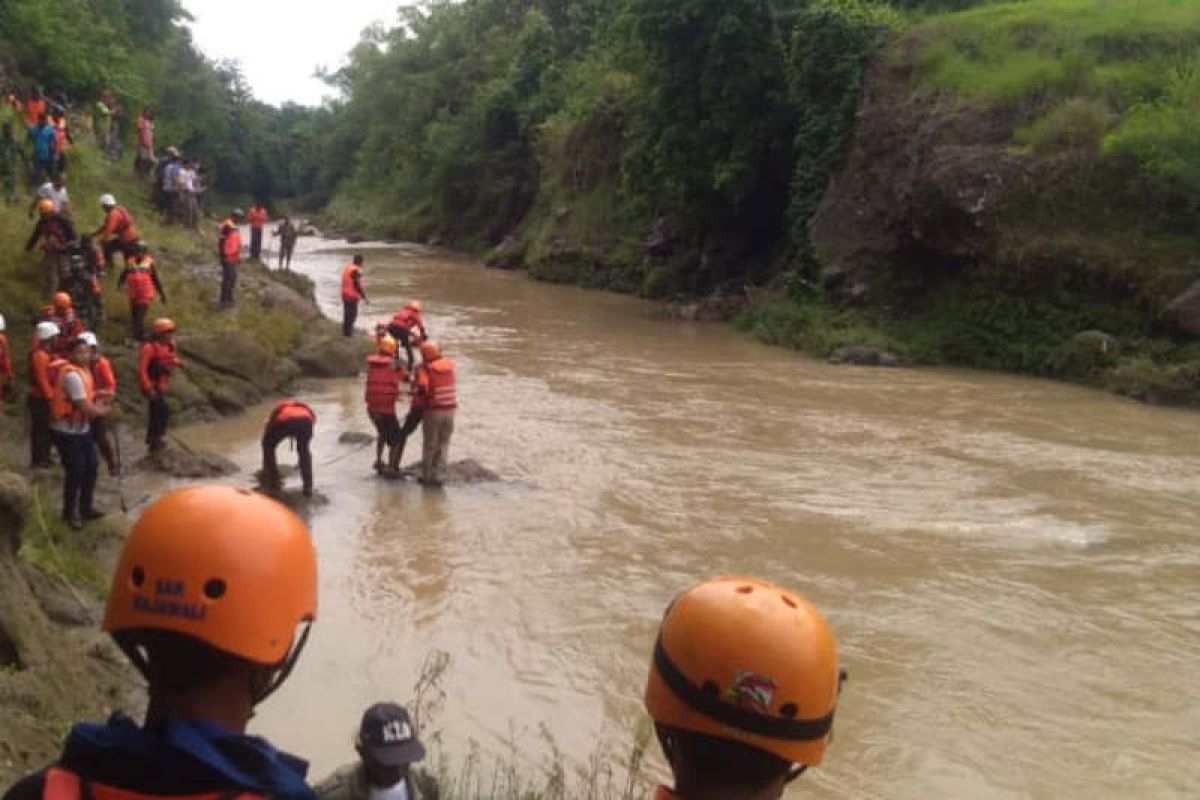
(15, 501)
(237, 354)
(468, 470)
(509, 254)
(295, 499)
(289, 301)
(1087, 354)
(180, 462)
(298, 282)
(863, 356)
(333, 357)
(1183, 313)
(356, 437)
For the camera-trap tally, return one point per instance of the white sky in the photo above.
(281, 42)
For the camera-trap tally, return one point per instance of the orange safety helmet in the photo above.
(430, 350)
(162, 325)
(226, 566)
(747, 660)
(45, 206)
(414, 305)
(387, 346)
(62, 301)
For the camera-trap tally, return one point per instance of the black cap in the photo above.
(387, 736)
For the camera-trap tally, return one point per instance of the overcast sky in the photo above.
(281, 42)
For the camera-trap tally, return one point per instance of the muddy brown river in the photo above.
(1012, 567)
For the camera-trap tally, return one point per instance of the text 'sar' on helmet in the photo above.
(746, 660)
(225, 566)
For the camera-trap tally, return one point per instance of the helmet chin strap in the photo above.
(285, 668)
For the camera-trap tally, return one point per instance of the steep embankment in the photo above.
(55, 667)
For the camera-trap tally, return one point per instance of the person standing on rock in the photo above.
(155, 362)
(212, 600)
(257, 217)
(229, 249)
(352, 292)
(435, 388)
(385, 378)
(290, 419)
(73, 406)
(743, 685)
(41, 389)
(104, 383)
(140, 280)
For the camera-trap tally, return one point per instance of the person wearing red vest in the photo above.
(408, 328)
(41, 389)
(104, 383)
(70, 326)
(141, 282)
(117, 234)
(257, 219)
(6, 368)
(73, 406)
(211, 601)
(56, 234)
(155, 362)
(352, 292)
(435, 388)
(290, 419)
(385, 380)
(229, 249)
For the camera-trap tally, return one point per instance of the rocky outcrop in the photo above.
(333, 357)
(184, 462)
(509, 254)
(276, 295)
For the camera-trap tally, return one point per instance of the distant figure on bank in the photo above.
(352, 292)
(54, 190)
(41, 390)
(72, 408)
(6, 367)
(290, 419)
(211, 601)
(56, 234)
(436, 396)
(116, 234)
(408, 328)
(257, 217)
(287, 234)
(43, 138)
(743, 686)
(141, 282)
(386, 377)
(387, 747)
(104, 382)
(156, 360)
(166, 172)
(229, 249)
(143, 163)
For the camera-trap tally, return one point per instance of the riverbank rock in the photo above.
(509, 254)
(863, 356)
(718, 308)
(237, 354)
(1086, 354)
(467, 470)
(356, 437)
(179, 462)
(333, 356)
(1183, 313)
(276, 295)
(15, 501)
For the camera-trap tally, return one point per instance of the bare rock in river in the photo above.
(356, 437)
(863, 356)
(333, 356)
(468, 470)
(181, 462)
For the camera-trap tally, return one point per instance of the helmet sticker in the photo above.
(752, 691)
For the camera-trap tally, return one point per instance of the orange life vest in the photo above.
(61, 407)
(288, 410)
(231, 245)
(383, 384)
(139, 283)
(40, 385)
(442, 395)
(120, 223)
(349, 290)
(155, 363)
(6, 370)
(408, 319)
(257, 216)
(62, 784)
(103, 380)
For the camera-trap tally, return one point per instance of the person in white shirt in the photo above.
(54, 190)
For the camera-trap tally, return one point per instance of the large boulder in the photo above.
(1087, 354)
(237, 354)
(1183, 313)
(509, 254)
(291, 302)
(184, 462)
(333, 356)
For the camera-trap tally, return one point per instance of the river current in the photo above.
(1011, 566)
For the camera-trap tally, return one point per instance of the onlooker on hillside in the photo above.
(187, 210)
(287, 234)
(44, 140)
(105, 123)
(56, 234)
(11, 155)
(54, 190)
(34, 107)
(144, 162)
(62, 139)
(170, 179)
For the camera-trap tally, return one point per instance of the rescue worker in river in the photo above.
(408, 328)
(387, 747)
(386, 377)
(156, 360)
(743, 686)
(290, 419)
(436, 395)
(352, 293)
(73, 406)
(211, 601)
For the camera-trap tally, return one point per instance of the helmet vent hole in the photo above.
(214, 589)
(138, 576)
(790, 711)
(789, 602)
(745, 589)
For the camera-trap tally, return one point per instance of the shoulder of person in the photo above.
(30, 787)
(339, 785)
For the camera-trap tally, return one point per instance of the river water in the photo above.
(1011, 566)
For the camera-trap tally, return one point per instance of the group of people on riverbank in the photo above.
(213, 599)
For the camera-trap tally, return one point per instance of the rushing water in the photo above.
(1011, 566)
